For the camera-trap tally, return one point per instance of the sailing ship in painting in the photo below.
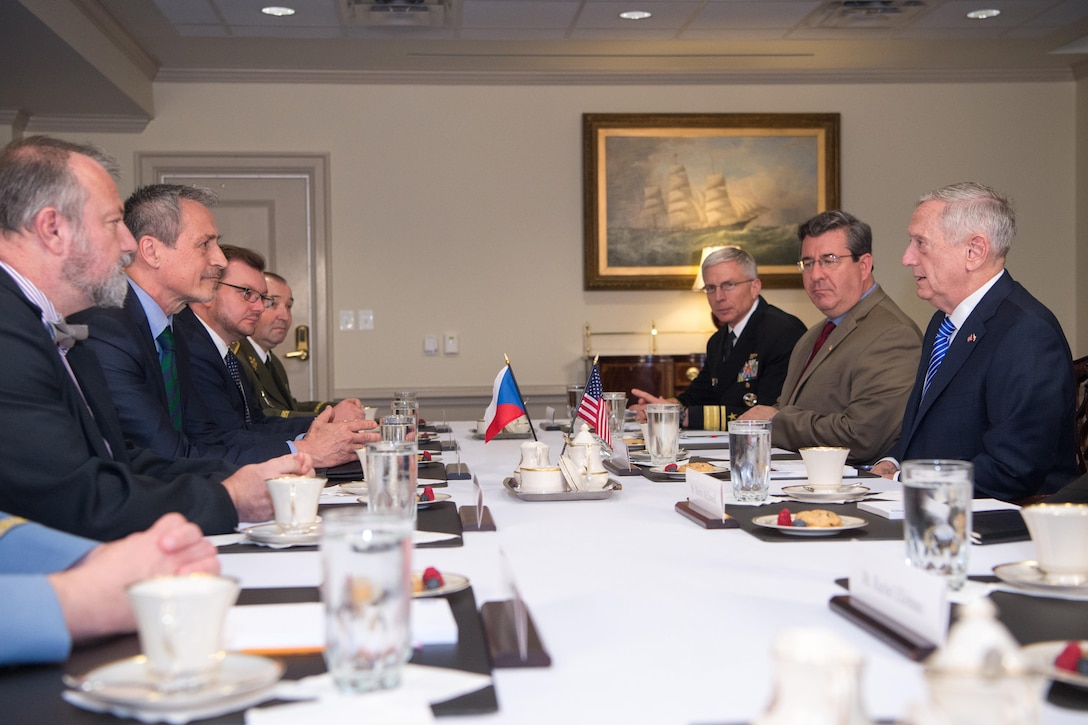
(686, 208)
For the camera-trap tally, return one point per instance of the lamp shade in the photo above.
(699, 283)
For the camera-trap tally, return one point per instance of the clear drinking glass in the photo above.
(395, 427)
(367, 591)
(937, 516)
(574, 396)
(391, 476)
(662, 433)
(617, 410)
(750, 459)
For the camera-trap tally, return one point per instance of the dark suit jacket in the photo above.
(121, 338)
(1003, 398)
(757, 365)
(269, 379)
(57, 469)
(214, 384)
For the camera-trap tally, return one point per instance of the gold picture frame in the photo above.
(660, 188)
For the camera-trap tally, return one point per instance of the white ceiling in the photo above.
(74, 61)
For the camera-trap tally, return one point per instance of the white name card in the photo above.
(705, 493)
(912, 598)
(621, 458)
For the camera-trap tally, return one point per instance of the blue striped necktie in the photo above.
(940, 347)
(235, 370)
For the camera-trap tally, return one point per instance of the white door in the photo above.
(274, 205)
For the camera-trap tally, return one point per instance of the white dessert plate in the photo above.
(126, 682)
(358, 488)
(271, 534)
(679, 473)
(845, 493)
(848, 522)
(1028, 575)
(438, 498)
(1040, 658)
(453, 583)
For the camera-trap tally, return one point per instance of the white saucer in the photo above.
(271, 534)
(771, 522)
(845, 493)
(358, 488)
(453, 583)
(1028, 575)
(642, 458)
(126, 682)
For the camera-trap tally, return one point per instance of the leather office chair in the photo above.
(1080, 372)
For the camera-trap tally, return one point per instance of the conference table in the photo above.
(646, 616)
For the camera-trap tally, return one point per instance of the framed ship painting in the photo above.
(661, 188)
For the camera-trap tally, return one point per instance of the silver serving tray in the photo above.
(607, 491)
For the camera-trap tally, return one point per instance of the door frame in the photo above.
(151, 167)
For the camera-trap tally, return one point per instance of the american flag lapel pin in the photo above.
(971, 337)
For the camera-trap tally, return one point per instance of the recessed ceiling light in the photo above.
(635, 15)
(278, 10)
(984, 14)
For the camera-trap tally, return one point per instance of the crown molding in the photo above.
(529, 78)
(86, 123)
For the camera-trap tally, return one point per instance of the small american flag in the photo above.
(592, 410)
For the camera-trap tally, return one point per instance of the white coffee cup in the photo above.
(180, 623)
(547, 479)
(294, 501)
(1060, 533)
(824, 465)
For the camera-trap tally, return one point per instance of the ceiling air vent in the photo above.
(868, 13)
(402, 13)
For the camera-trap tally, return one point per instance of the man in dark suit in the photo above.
(995, 383)
(178, 261)
(211, 327)
(746, 358)
(65, 459)
(266, 371)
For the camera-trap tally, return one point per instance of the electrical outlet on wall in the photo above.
(366, 319)
(347, 320)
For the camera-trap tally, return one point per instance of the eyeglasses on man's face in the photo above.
(725, 287)
(251, 295)
(825, 261)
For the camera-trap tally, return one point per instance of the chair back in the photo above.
(1080, 372)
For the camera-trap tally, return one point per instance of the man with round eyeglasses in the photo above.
(850, 375)
(746, 359)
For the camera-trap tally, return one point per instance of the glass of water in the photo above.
(750, 459)
(937, 516)
(617, 410)
(391, 477)
(367, 592)
(662, 433)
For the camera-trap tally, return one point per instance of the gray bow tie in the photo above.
(66, 335)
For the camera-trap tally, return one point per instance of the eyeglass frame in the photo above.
(726, 287)
(248, 292)
(825, 261)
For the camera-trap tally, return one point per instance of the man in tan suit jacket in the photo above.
(849, 377)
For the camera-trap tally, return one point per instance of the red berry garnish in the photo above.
(1069, 657)
(784, 518)
(426, 455)
(432, 579)
(672, 467)
(427, 495)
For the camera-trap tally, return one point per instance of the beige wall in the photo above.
(459, 209)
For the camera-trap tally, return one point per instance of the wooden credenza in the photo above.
(664, 375)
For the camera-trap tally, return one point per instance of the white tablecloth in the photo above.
(648, 617)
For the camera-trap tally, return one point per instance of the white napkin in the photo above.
(301, 626)
(429, 537)
(796, 469)
(408, 704)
